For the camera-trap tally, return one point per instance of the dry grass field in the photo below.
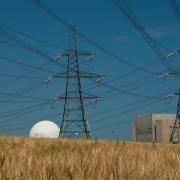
(41, 159)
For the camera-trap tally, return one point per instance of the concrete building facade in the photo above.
(153, 127)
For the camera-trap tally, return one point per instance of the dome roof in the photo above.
(45, 129)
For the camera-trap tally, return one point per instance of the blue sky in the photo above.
(102, 22)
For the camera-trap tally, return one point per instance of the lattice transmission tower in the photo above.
(175, 134)
(74, 122)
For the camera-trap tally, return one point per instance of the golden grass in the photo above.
(41, 159)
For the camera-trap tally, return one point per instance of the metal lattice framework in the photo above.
(175, 135)
(74, 122)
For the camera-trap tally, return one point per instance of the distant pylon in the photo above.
(175, 134)
(74, 122)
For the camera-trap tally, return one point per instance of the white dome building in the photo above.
(45, 129)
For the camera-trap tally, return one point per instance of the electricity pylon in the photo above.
(74, 122)
(175, 134)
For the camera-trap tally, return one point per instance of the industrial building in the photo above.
(153, 127)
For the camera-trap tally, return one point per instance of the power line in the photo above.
(4, 32)
(18, 76)
(19, 125)
(34, 38)
(163, 95)
(38, 107)
(22, 96)
(67, 25)
(175, 8)
(127, 111)
(124, 122)
(23, 91)
(126, 10)
(34, 49)
(29, 122)
(24, 125)
(20, 111)
(4, 58)
(86, 38)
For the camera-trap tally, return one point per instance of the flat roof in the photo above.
(155, 114)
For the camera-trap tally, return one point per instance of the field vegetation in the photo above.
(46, 159)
